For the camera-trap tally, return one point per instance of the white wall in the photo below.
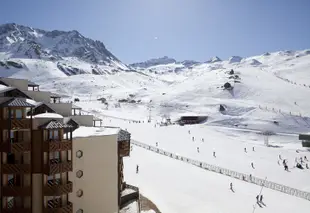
(83, 120)
(40, 96)
(100, 174)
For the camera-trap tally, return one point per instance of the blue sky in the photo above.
(136, 30)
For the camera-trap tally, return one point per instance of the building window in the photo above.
(79, 173)
(79, 211)
(79, 193)
(79, 154)
(18, 113)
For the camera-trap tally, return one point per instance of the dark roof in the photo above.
(15, 102)
(45, 105)
(3, 83)
(53, 124)
(304, 137)
(32, 84)
(123, 135)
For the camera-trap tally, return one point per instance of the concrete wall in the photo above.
(83, 120)
(64, 109)
(41, 96)
(21, 84)
(100, 176)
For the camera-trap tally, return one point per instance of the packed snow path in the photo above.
(248, 178)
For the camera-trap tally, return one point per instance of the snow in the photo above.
(271, 95)
(94, 131)
(48, 115)
(3, 87)
(30, 101)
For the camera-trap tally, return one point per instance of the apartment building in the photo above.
(47, 168)
(46, 101)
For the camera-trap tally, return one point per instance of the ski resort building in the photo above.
(305, 138)
(47, 101)
(50, 163)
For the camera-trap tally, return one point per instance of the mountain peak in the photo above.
(25, 42)
(153, 62)
(214, 59)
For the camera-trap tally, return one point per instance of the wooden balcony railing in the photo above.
(57, 167)
(55, 206)
(53, 189)
(23, 123)
(14, 191)
(124, 148)
(15, 146)
(15, 210)
(57, 145)
(15, 168)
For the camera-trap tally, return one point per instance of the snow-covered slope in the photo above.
(70, 52)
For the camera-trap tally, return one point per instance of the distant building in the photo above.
(305, 138)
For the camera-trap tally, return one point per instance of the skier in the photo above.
(305, 158)
(198, 149)
(261, 198)
(252, 164)
(156, 144)
(280, 157)
(307, 166)
(257, 198)
(193, 138)
(202, 139)
(253, 149)
(189, 132)
(245, 150)
(301, 160)
(214, 154)
(137, 169)
(231, 187)
(250, 177)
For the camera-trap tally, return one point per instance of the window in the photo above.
(79, 193)
(79, 211)
(51, 177)
(54, 155)
(79, 154)
(79, 173)
(18, 113)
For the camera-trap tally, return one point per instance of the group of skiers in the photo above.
(299, 164)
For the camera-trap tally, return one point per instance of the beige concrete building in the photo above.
(45, 167)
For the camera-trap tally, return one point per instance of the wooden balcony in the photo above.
(14, 191)
(57, 189)
(55, 206)
(15, 168)
(15, 146)
(23, 123)
(57, 145)
(124, 148)
(16, 210)
(56, 168)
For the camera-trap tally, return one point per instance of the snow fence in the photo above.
(244, 177)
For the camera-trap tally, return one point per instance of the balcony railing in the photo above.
(57, 167)
(57, 145)
(57, 189)
(15, 168)
(15, 146)
(124, 148)
(55, 206)
(14, 191)
(23, 123)
(16, 210)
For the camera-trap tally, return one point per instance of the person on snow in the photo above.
(252, 164)
(231, 186)
(253, 149)
(193, 138)
(198, 149)
(307, 166)
(305, 158)
(214, 154)
(245, 150)
(137, 169)
(301, 160)
(156, 143)
(261, 199)
(189, 132)
(202, 139)
(257, 198)
(280, 157)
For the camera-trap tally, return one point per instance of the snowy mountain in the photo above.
(153, 62)
(70, 52)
